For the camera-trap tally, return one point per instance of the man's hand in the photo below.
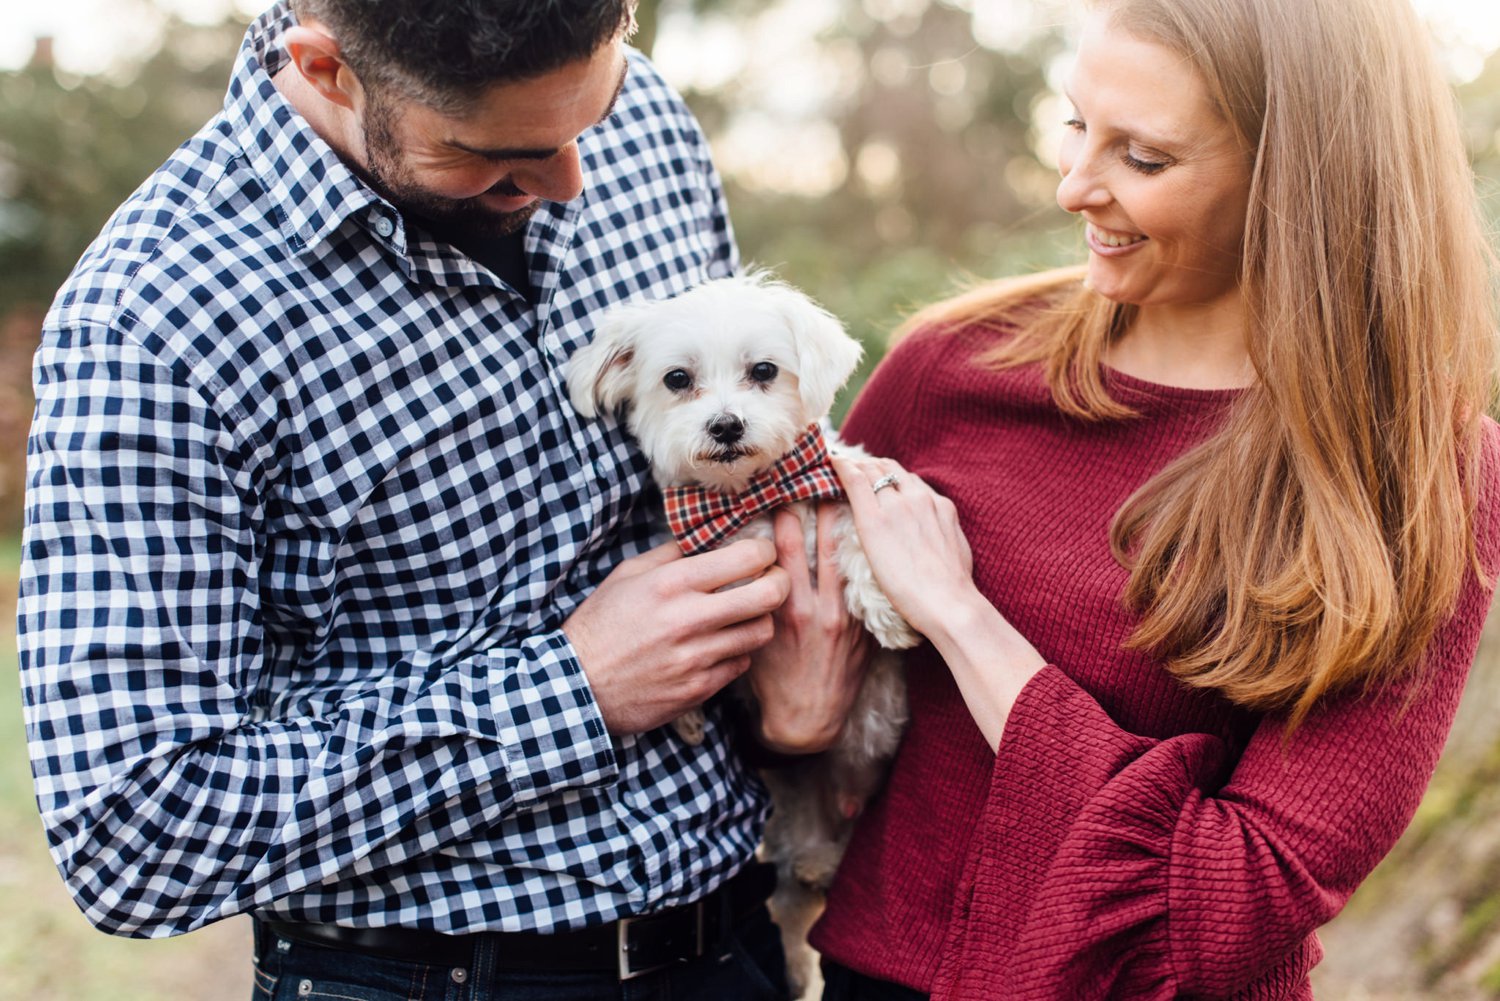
(657, 637)
(806, 678)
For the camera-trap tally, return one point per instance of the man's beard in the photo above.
(388, 174)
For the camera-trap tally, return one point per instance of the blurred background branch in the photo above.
(876, 153)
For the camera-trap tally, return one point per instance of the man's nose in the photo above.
(559, 178)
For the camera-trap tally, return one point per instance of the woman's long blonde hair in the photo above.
(1322, 536)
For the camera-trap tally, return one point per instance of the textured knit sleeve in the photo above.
(1157, 869)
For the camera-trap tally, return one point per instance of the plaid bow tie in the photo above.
(701, 519)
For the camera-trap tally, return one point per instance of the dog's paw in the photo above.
(799, 971)
(794, 908)
(890, 630)
(867, 602)
(815, 868)
(690, 726)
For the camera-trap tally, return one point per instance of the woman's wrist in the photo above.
(957, 613)
(989, 659)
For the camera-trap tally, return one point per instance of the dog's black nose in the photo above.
(726, 429)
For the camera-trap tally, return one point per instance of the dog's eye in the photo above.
(763, 371)
(677, 380)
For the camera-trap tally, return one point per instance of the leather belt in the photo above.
(630, 947)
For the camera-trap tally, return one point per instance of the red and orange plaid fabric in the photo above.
(702, 519)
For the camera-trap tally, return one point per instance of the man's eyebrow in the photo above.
(531, 152)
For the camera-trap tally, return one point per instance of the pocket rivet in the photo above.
(459, 974)
(304, 988)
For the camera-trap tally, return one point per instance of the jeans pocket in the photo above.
(314, 973)
(295, 988)
(263, 986)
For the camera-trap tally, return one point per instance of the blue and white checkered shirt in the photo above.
(307, 507)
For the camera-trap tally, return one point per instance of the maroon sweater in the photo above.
(1132, 838)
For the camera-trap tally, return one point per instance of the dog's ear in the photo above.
(826, 354)
(599, 372)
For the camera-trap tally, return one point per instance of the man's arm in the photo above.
(175, 789)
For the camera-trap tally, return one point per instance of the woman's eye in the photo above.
(677, 380)
(763, 371)
(1076, 124)
(1144, 166)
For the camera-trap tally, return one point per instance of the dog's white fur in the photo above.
(684, 367)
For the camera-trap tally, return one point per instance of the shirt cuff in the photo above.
(548, 722)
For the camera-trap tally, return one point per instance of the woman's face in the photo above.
(1155, 171)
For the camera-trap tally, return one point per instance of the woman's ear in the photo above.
(599, 373)
(317, 57)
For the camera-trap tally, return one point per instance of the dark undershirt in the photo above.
(503, 255)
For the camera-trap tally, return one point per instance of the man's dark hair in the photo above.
(445, 53)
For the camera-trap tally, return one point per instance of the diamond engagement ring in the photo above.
(888, 480)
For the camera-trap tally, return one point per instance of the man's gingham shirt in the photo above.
(307, 507)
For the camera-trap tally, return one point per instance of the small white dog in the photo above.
(722, 386)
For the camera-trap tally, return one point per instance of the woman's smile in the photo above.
(1111, 243)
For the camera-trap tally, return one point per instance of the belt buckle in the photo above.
(624, 968)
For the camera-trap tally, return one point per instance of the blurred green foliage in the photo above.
(940, 185)
(962, 195)
(72, 148)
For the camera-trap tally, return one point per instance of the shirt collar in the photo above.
(312, 187)
(316, 192)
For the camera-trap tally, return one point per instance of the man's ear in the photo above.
(317, 56)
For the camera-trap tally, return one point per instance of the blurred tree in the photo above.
(918, 138)
(72, 148)
(1480, 98)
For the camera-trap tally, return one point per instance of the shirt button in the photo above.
(385, 227)
(598, 469)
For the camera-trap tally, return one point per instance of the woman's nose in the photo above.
(1081, 187)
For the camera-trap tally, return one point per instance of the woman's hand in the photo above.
(917, 550)
(911, 536)
(806, 678)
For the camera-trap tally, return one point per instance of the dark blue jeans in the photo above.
(842, 984)
(749, 967)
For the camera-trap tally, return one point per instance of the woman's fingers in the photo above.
(911, 536)
(859, 475)
(862, 476)
(851, 473)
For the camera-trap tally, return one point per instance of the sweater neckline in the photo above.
(1134, 386)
